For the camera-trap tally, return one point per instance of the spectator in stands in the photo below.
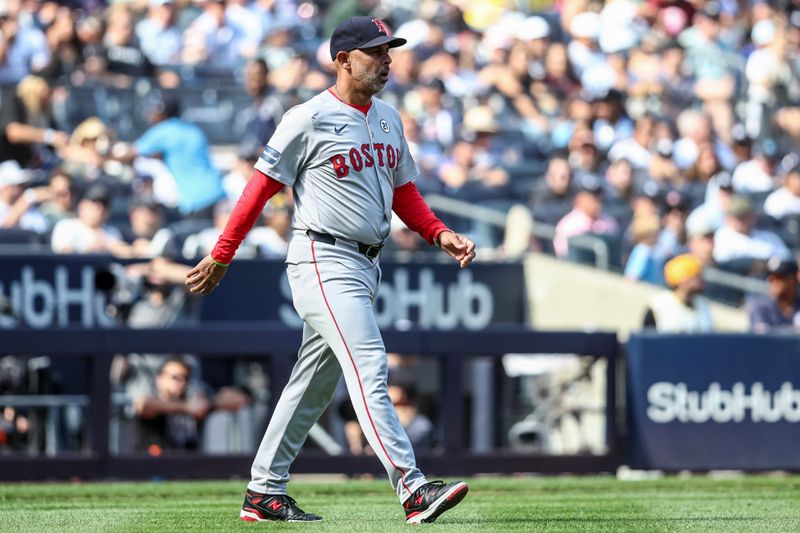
(583, 50)
(168, 418)
(474, 173)
(83, 157)
(437, 123)
(211, 39)
(161, 40)
(89, 232)
(201, 243)
(586, 216)
(147, 237)
(758, 174)
(711, 63)
(620, 190)
(695, 129)
(186, 154)
(611, 124)
(584, 157)
(741, 144)
(672, 240)
(780, 310)
(552, 196)
(59, 200)
(765, 69)
(785, 201)
(123, 55)
(718, 196)
(263, 114)
(737, 240)
(682, 309)
(418, 427)
(23, 47)
(62, 42)
(700, 235)
(27, 126)
(272, 238)
(662, 168)
(643, 263)
(18, 206)
(636, 149)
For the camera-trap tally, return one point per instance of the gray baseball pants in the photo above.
(334, 295)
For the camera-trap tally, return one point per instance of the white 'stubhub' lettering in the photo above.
(45, 303)
(674, 402)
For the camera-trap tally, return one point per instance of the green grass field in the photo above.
(494, 504)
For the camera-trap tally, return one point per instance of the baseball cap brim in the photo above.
(393, 42)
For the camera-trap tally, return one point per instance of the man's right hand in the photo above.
(205, 277)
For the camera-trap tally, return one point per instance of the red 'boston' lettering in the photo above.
(391, 157)
(379, 151)
(368, 160)
(340, 166)
(355, 160)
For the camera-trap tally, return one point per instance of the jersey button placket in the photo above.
(377, 172)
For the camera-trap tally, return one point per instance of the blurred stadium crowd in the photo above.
(667, 129)
(661, 126)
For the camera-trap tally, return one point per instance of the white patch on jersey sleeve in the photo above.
(284, 155)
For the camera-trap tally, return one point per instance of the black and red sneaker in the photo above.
(261, 507)
(432, 499)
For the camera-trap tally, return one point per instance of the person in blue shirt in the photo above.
(780, 310)
(643, 263)
(184, 149)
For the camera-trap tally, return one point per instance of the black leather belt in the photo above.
(370, 250)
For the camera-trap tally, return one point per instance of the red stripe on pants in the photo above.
(355, 368)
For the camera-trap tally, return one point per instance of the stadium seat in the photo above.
(580, 249)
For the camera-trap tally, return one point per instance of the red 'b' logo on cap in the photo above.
(381, 26)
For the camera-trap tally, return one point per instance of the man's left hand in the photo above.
(458, 247)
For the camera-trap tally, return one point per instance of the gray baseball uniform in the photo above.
(343, 165)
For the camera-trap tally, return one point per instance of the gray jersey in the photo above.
(342, 164)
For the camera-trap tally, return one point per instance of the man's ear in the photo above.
(343, 58)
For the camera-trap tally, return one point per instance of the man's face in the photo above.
(558, 176)
(145, 222)
(369, 67)
(173, 381)
(61, 192)
(702, 247)
(694, 285)
(92, 213)
(255, 78)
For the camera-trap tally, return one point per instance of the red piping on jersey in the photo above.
(355, 368)
(410, 206)
(259, 189)
(362, 108)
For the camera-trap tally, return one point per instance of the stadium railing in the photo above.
(279, 344)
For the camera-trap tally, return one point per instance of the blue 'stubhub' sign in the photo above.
(707, 402)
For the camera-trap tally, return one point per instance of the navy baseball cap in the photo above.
(361, 32)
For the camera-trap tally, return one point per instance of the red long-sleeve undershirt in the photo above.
(259, 189)
(408, 204)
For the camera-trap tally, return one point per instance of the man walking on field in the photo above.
(345, 156)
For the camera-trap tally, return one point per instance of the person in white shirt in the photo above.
(737, 239)
(786, 200)
(89, 233)
(272, 238)
(758, 174)
(17, 205)
(682, 309)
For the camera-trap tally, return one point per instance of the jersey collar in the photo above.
(362, 108)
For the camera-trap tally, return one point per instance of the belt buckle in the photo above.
(373, 250)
